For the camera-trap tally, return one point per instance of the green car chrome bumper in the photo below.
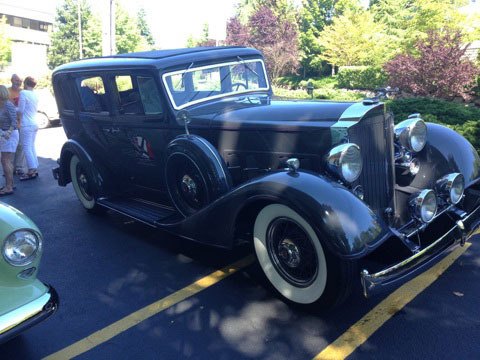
(24, 317)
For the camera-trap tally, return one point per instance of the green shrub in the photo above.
(444, 112)
(320, 94)
(361, 77)
(291, 82)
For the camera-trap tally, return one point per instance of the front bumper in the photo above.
(397, 274)
(26, 316)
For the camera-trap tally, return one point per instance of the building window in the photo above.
(17, 21)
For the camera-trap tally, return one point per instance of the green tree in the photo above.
(314, 16)
(65, 39)
(127, 32)
(353, 39)
(433, 15)
(144, 27)
(5, 45)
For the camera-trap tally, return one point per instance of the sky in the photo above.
(173, 21)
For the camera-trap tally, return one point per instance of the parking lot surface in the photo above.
(128, 291)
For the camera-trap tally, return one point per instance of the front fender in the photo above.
(446, 152)
(346, 224)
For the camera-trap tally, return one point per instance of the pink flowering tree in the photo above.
(439, 68)
(275, 36)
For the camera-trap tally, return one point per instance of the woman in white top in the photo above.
(27, 110)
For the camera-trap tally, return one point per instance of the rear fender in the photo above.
(346, 224)
(102, 181)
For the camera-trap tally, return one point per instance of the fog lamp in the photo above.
(452, 186)
(425, 205)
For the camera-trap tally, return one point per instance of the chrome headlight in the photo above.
(345, 161)
(412, 134)
(425, 205)
(452, 186)
(21, 247)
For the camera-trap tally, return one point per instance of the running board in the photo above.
(141, 210)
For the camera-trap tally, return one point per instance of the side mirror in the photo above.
(183, 117)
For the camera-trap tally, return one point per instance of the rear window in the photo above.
(92, 94)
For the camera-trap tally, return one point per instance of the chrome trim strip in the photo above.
(372, 283)
(13, 318)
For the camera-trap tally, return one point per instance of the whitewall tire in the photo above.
(290, 254)
(82, 183)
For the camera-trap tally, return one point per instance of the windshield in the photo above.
(198, 84)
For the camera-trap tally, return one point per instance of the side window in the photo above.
(149, 95)
(92, 94)
(128, 97)
(65, 93)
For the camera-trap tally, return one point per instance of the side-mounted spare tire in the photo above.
(195, 173)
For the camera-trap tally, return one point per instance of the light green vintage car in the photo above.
(24, 300)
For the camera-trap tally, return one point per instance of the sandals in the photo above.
(28, 176)
(5, 193)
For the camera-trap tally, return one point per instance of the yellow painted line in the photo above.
(143, 314)
(358, 333)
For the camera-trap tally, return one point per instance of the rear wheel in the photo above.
(42, 120)
(83, 185)
(295, 261)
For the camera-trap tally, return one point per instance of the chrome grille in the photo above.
(374, 135)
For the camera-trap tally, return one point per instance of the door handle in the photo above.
(115, 130)
(107, 130)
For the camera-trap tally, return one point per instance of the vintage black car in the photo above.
(329, 193)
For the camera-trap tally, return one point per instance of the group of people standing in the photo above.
(18, 129)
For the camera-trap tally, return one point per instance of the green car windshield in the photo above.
(198, 84)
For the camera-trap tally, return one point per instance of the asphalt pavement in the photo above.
(109, 271)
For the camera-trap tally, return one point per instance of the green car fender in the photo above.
(18, 284)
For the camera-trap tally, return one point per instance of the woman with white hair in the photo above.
(8, 139)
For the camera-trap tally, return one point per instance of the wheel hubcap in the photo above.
(289, 253)
(292, 252)
(82, 180)
(189, 186)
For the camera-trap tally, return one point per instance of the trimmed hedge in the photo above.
(361, 77)
(463, 119)
(319, 94)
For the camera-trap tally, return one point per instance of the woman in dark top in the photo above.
(8, 139)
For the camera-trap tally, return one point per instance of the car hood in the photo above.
(260, 110)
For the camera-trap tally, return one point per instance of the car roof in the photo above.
(161, 59)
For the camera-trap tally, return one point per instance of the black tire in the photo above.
(42, 120)
(195, 174)
(296, 263)
(84, 186)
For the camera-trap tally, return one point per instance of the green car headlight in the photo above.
(21, 247)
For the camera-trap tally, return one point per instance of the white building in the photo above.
(29, 26)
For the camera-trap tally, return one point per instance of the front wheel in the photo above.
(296, 263)
(83, 185)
